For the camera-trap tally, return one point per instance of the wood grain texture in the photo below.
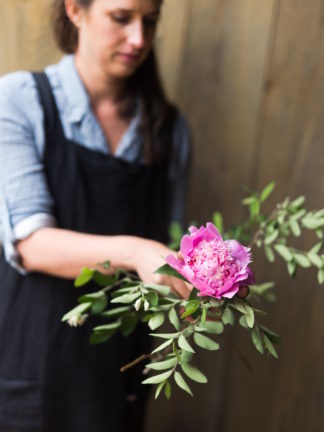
(249, 77)
(25, 36)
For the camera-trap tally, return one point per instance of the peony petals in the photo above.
(175, 263)
(239, 252)
(217, 268)
(186, 246)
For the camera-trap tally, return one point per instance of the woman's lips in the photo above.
(129, 58)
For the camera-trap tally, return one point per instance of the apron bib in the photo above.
(51, 378)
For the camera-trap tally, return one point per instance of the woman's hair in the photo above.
(157, 113)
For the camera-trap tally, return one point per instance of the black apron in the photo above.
(51, 378)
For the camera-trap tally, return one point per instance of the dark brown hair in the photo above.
(158, 114)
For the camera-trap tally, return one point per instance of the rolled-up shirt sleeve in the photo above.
(25, 201)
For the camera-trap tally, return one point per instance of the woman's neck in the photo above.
(98, 86)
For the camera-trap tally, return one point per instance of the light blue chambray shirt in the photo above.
(25, 202)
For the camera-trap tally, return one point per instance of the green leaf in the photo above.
(156, 379)
(161, 289)
(191, 309)
(320, 276)
(105, 264)
(194, 294)
(168, 270)
(270, 238)
(156, 321)
(184, 344)
(98, 301)
(218, 221)
(126, 298)
(166, 364)
(102, 279)
(111, 326)
(268, 345)
(174, 320)
(167, 390)
(128, 323)
(257, 339)
(152, 298)
(255, 208)
(274, 337)
(243, 322)
(162, 346)
(203, 316)
(291, 267)
(295, 228)
(284, 252)
(84, 277)
(176, 352)
(301, 260)
(112, 313)
(182, 383)
(319, 213)
(166, 335)
(205, 342)
(248, 200)
(261, 288)
(269, 253)
(267, 191)
(122, 291)
(214, 327)
(90, 297)
(185, 356)
(249, 315)
(298, 202)
(100, 337)
(228, 317)
(312, 222)
(78, 310)
(239, 305)
(159, 389)
(193, 373)
(316, 248)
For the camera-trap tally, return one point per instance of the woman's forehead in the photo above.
(134, 5)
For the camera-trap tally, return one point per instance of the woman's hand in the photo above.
(148, 256)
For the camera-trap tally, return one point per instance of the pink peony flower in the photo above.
(217, 268)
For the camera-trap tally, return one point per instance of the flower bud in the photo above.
(137, 304)
(146, 305)
(77, 320)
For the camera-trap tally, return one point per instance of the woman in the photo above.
(92, 164)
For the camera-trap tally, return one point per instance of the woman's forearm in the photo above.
(63, 253)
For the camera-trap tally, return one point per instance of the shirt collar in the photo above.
(73, 88)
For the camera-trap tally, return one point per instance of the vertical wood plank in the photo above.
(220, 90)
(25, 35)
(288, 148)
(171, 41)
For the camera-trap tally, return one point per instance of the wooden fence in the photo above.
(248, 74)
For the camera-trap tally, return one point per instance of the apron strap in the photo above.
(52, 123)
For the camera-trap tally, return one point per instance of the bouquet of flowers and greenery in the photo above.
(217, 264)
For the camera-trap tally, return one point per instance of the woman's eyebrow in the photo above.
(131, 11)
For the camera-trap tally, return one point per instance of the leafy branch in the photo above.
(123, 300)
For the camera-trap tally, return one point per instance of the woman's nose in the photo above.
(136, 36)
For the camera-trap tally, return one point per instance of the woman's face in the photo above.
(117, 35)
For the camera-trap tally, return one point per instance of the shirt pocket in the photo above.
(21, 406)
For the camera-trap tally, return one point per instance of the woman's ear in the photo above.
(73, 11)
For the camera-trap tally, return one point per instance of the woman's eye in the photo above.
(120, 19)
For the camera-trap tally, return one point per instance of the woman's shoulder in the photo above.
(16, 85)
